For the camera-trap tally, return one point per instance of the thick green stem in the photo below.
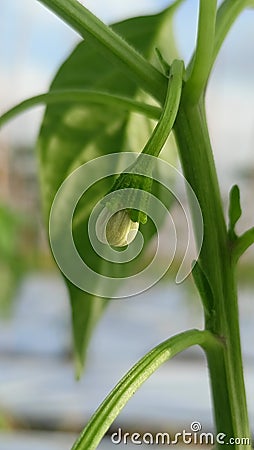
(111, 44)
(215, 259)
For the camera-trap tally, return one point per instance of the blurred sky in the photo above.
(34, 42)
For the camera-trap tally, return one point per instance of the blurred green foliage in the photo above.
(17, 253)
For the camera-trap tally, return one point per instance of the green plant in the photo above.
(12, 260)
(70, 136)
(8, 246)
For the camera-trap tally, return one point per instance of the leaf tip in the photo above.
(235, 210)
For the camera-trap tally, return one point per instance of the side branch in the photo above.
(131, 382)
(82, 96)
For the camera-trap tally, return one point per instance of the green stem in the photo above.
(82, 96)
(131, 382)
(242, 243)
(150, 79)
(164, 126)
(199, 68)
(111, 44)
(226, 16)
(144, 165)
(226, 370)
(215, 260)
(194, 146)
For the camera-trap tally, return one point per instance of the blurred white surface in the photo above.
(37, 385)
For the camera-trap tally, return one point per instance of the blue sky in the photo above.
(29, 30)
(34, 37)
(34, 41)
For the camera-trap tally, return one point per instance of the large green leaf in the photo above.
(73, 134)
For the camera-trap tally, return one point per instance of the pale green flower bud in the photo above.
(118, 229)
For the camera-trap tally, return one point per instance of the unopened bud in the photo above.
(118, 229)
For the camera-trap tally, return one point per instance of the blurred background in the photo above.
(41, 404)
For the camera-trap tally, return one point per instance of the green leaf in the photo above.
(72, 134)
(235, 210)
(85, 313)
(243, 242)
(203, 287)
(11, 257)
(133, 380)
